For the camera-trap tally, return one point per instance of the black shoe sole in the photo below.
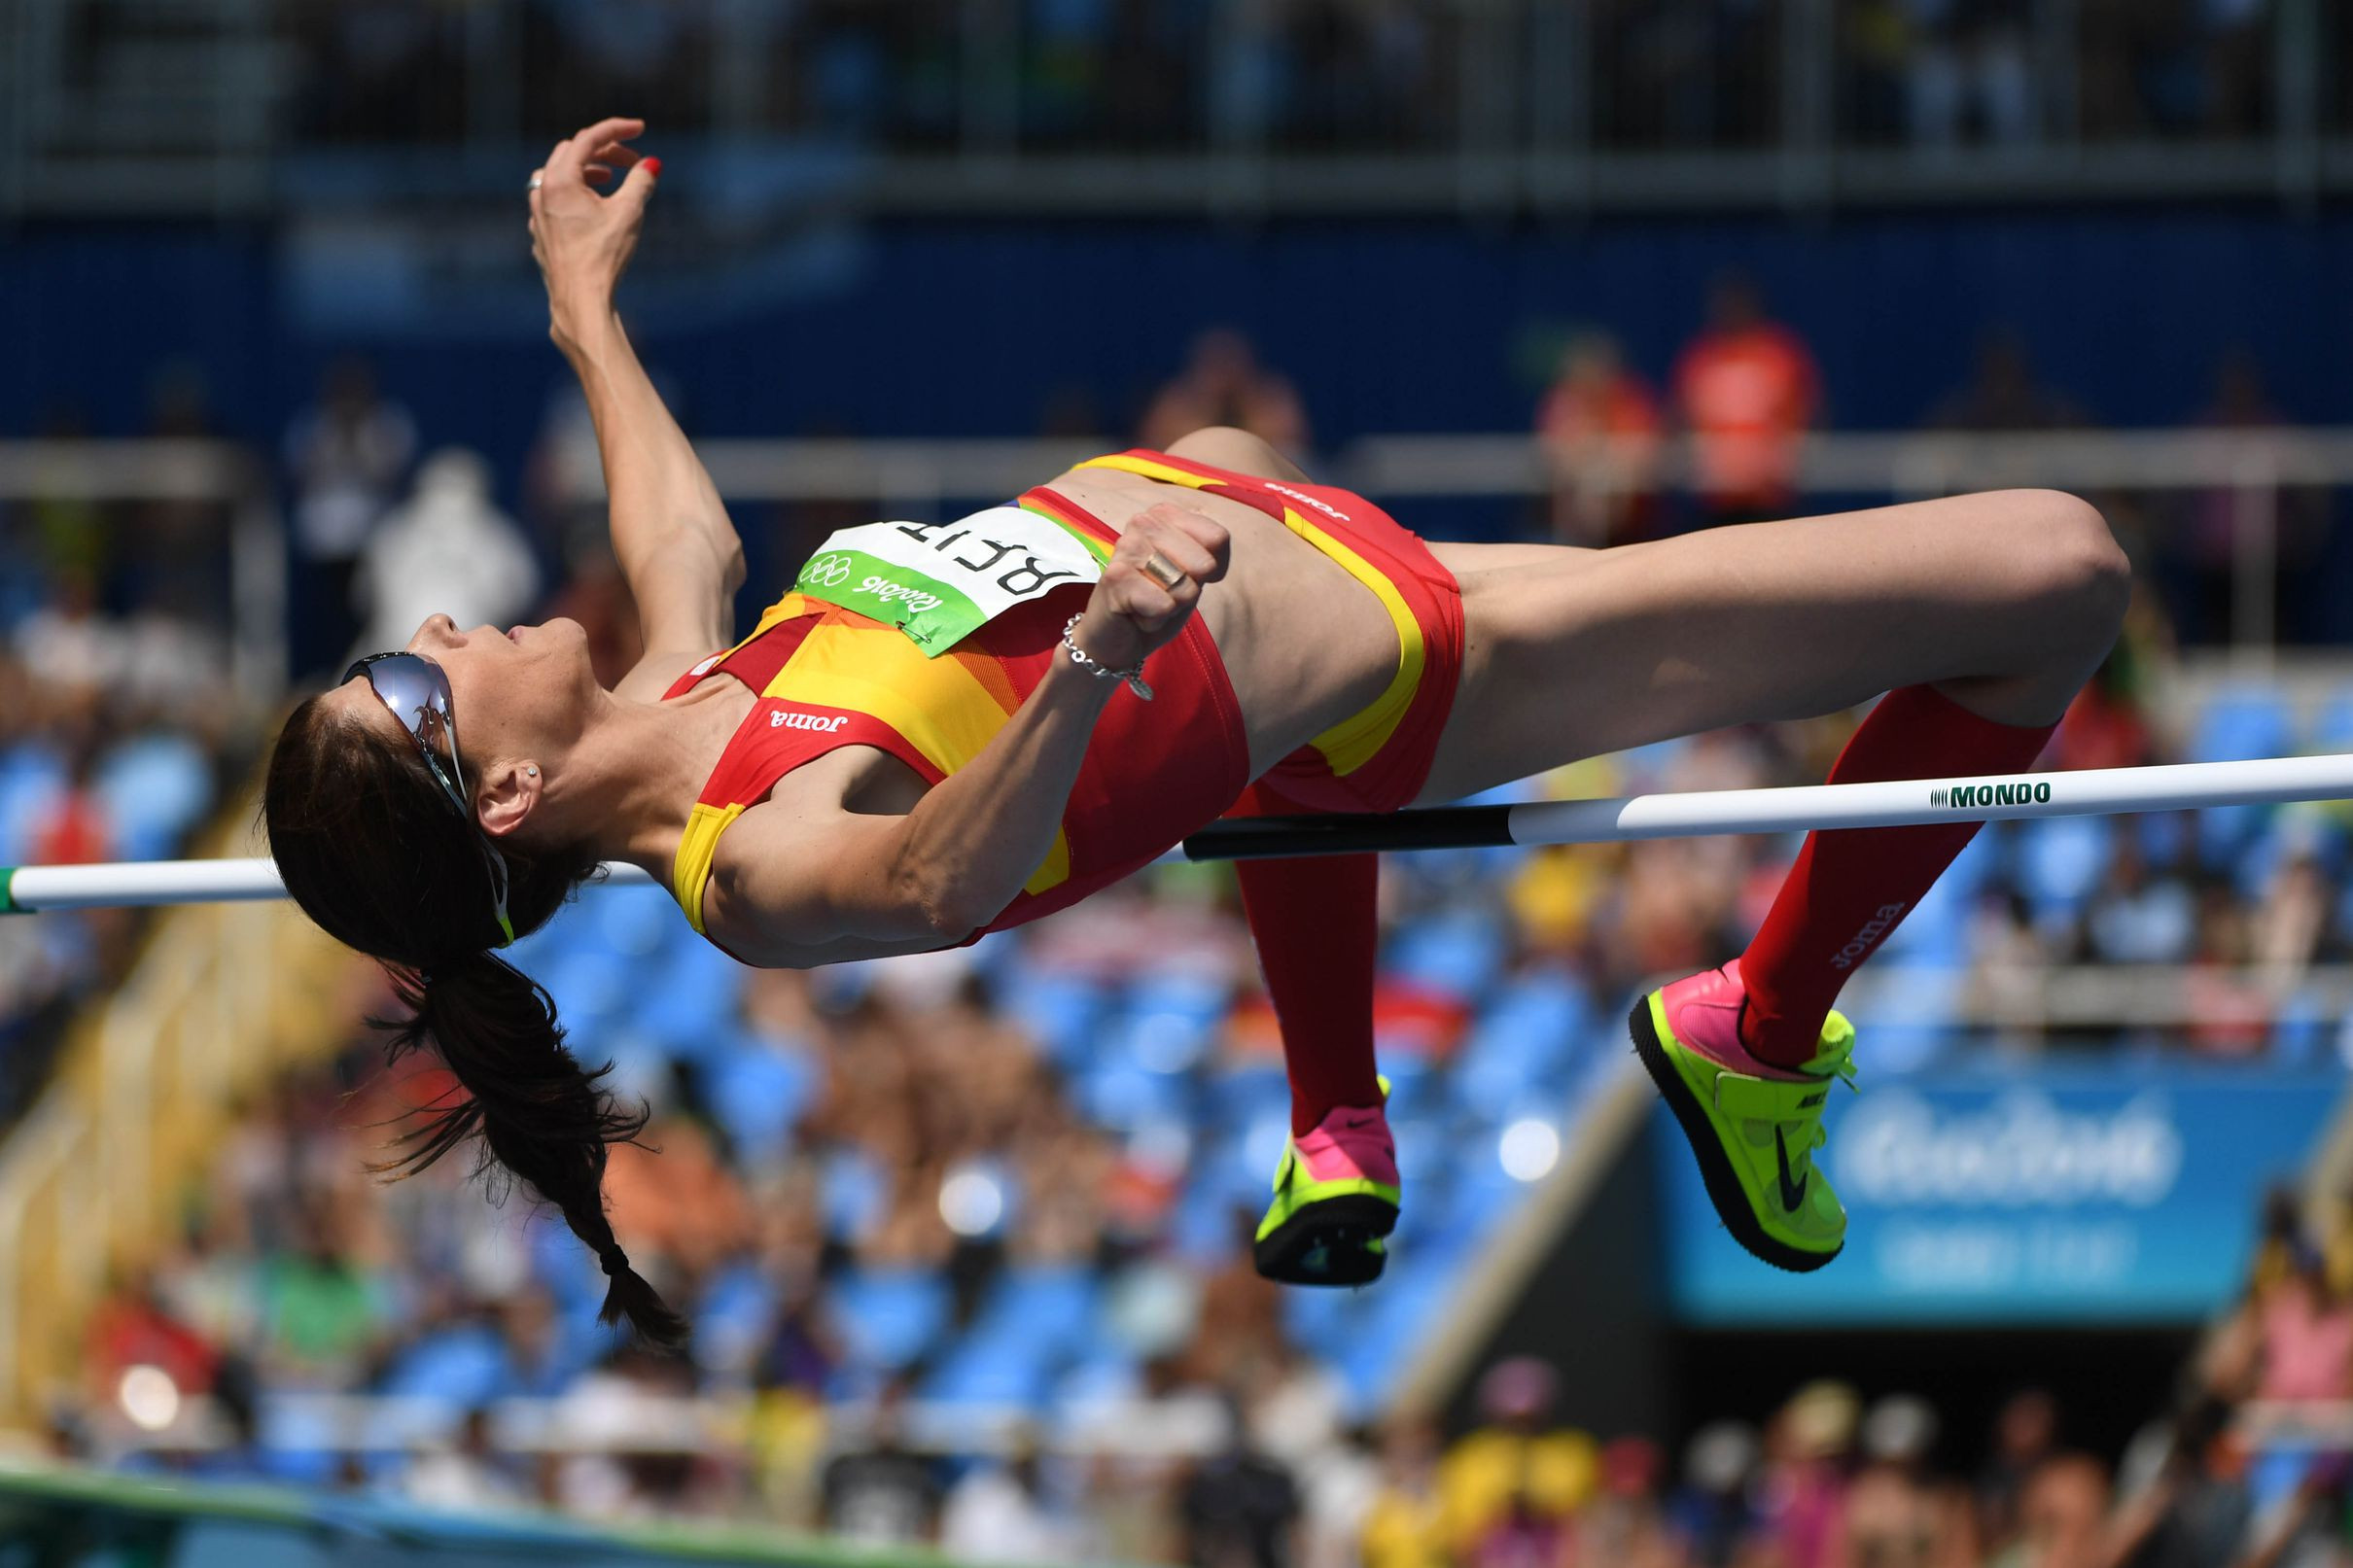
(1324, 1243)
(1724, 1187)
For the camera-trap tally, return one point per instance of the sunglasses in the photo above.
(417, 692)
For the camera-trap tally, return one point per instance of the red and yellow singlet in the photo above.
(829, 676)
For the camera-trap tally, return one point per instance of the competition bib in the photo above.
(939, 583)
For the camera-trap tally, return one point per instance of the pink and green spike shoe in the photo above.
(1336, 1196)
(1754, 1132)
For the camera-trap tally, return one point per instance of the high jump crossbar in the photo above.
(1902, 803)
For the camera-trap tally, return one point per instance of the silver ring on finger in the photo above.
(1163, 571)
(534, 180)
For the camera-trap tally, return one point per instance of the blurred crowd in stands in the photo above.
(1188, 1427)
(117, 725)
(1347, 75)
(997, 1200)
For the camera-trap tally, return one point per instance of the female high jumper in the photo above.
(953, 728)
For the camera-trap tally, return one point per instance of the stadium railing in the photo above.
(1505, 105)
(219, 474)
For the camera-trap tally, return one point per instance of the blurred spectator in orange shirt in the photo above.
(1747, 389)
(1224, 384)
(1600, 428)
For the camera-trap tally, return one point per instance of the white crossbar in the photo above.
(2092, 791)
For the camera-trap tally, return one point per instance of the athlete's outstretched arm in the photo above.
(670, 530)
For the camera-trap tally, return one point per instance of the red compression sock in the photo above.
(1317, 931)
(1849, 888)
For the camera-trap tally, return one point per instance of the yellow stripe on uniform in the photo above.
(1350, 744)
(691, 869)
(1166, 474)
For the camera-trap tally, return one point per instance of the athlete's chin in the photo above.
(561, 626)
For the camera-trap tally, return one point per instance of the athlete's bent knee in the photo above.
(2082, 579)
(1224, 446)
(2093, 572)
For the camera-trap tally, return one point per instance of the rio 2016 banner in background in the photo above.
(2043, 1196)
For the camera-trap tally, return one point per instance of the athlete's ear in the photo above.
(509, 792)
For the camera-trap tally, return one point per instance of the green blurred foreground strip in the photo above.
(77, 1518)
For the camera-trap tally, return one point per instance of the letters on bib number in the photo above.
(1023, 582)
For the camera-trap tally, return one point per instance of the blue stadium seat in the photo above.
(1377, 1343)
(1544, 1016)
(886, 1317)
(1033, 1321)
(1457, 953)
(1166, 1024)
(297, 1441)
(853, 1189)
(1241, 1092)
(2240, 721)
(1501, 1080)
(686, 1003)
(2061, 860)
(1319, 1318)
(466, 1365)
(589, 988)
(154, 788)
(994, 1370)
(30, 777)
(755, 1089)
(636, 922)
(1127, 1097)
(1051, 1303)
(1226, 1190)
(1916, 1026)
(732, 1317)
(1106, 1377)
(1064, 1012)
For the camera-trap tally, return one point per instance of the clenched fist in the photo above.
(1131, 612)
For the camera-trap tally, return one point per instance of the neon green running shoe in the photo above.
(1754, 1136)
(1336, 1196)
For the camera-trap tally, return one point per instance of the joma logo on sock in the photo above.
(1847, 956)
(1962, 796)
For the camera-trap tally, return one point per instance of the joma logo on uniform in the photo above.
(1323, 507)
(1961, 797)
(780, 720)
(1880, 924)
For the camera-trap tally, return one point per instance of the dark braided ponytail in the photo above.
(370, 851)
(538, 1112)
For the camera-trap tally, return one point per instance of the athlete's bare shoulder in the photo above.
(800, 880)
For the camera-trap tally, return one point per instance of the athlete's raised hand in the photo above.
(1135, 608)
(581, 240)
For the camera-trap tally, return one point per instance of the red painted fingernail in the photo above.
(653, 167)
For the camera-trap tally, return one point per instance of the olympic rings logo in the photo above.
(827, 570)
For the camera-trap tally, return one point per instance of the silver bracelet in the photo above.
(1133, 675)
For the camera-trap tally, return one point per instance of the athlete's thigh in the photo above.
(1571, 653)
